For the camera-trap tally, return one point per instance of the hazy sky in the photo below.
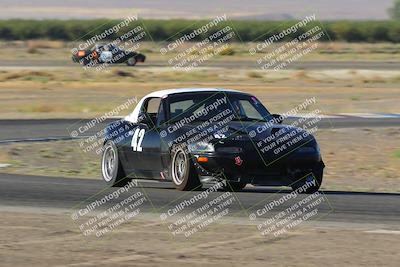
(270, 9)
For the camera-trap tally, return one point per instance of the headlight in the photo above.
(201, 147)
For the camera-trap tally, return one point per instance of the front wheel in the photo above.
(111, 168)
(183, 174)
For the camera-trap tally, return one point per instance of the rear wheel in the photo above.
(140, 57)
(183, 174)
(131, 61)
(111, 168)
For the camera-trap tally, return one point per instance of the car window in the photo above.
(179, 107)
(210, 104)
(153, 105)
(248, 110)
(150, 109)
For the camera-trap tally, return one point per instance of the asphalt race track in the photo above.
(72, 194)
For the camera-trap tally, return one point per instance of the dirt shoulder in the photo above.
(73, 92)
(40, 239)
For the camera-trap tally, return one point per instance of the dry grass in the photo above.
(361, 159)
(73, 92)
(26, 75)
(255, 74)
(227, 51)
(44, 44)
(40, 46)
(56, 50)
(63, 158)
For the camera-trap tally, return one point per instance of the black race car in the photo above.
(107, 53)
(201, 136)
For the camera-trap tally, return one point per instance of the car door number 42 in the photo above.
(137, 140)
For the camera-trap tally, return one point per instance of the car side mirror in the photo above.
(278, 118)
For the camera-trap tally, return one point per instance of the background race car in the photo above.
(107, 53)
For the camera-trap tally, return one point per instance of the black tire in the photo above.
(75, 59)
(235, 186)
(111, 169)
(183, 173)
(316, 175)
(131, 61)
(140, 57)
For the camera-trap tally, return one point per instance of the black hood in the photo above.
(258, 131)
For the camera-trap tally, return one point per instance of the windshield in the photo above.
(205, 106)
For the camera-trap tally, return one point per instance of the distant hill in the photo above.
(195, 9)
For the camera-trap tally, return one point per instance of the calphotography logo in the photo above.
(197, 213)
(91, 133)
(285, 212)
(106, 33)
(202, 123)
(117, 44)
(279, 37)
(109, 210)
(300, 39)
(201, 113)
(192, 50)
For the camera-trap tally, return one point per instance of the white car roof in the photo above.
(133, 117)
(166, 92)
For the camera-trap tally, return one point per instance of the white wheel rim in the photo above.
(179, 167)
(108, 163)
(132, 60)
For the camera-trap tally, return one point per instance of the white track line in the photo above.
(382, 231)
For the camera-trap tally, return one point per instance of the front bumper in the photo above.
(257, 169)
